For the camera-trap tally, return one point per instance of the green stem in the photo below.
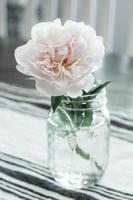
(82, 153)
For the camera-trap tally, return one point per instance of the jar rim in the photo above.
(85, 102)
(87, 98)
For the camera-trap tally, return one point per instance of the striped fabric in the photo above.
(24, 174)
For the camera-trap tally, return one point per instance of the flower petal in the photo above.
(61, 58)
(23, 54)
(51, 87)
(74, 91)
(40, 31)
(22, 70)
(86, 83)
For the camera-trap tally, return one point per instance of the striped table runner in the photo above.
(24, 174)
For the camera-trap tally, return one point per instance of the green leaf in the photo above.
(88, 117)
(78, 119)
(98, 88)
(65, 117)
(55, 101)
(82, 153)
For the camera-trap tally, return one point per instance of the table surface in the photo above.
(23, 113)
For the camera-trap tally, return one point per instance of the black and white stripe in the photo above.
(31, 181)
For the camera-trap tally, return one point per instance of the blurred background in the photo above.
(112, 19)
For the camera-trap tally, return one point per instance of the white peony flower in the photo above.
(61, 58)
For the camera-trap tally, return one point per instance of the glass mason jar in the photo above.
(78, 140)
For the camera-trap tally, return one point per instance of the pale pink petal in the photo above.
(22, 70)
(79, 70)
(73, 28)
(86, 83)
(23, 54)
(25, 58)
(51, 87)
(31, 71)
(61, 54)
(56, 35)
(61, 58)
(74, 91)
(39, 32)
